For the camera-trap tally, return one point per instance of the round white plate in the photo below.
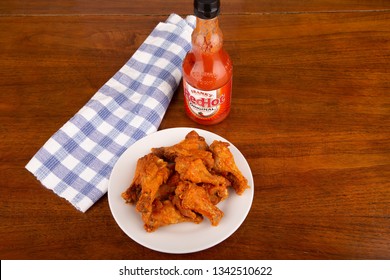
(183, 237)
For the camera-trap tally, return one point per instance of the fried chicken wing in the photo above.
(167, 189)
(196, 199)
(193, 145)
(193, 169)
(187, 212)
(217, 193)
(132, 193)
(224, 164)
(151, 172)
(184, 182)
(165, 213)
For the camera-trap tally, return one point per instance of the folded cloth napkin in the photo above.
(77, 160)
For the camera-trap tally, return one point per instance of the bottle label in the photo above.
(207, 104)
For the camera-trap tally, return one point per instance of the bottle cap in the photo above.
(206, 9)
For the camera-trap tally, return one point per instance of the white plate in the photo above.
(183, 237)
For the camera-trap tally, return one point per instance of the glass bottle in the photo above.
(207, 68)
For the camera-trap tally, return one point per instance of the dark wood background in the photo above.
(310, 112)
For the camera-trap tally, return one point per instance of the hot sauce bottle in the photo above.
(207, 68)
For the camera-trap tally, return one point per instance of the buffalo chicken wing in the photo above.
(224, 164)
(184, 182)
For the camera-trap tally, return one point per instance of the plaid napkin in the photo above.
(77, 160)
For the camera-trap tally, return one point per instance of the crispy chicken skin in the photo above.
(196, 199)
(151, 172)
(132, 193)
(217, 193)
(194, 170)
(193, 145)
(167, 189)
(224, 164)
(165, 213)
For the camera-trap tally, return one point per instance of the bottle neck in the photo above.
(207, 36)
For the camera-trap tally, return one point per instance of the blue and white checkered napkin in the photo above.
(77, 160)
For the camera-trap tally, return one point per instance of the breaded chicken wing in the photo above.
(193, 169)
(217, 193)
(167, 189)
(224, 164)
(165, 213)
(193, 145)
(195, 198)
(151, 172)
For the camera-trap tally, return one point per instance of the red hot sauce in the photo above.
(207, 68)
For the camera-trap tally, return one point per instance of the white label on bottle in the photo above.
(203, 103)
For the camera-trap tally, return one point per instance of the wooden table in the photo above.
(310, 112)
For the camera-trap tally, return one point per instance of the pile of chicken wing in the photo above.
(184, 182)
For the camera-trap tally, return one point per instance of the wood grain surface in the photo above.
(310, 112)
